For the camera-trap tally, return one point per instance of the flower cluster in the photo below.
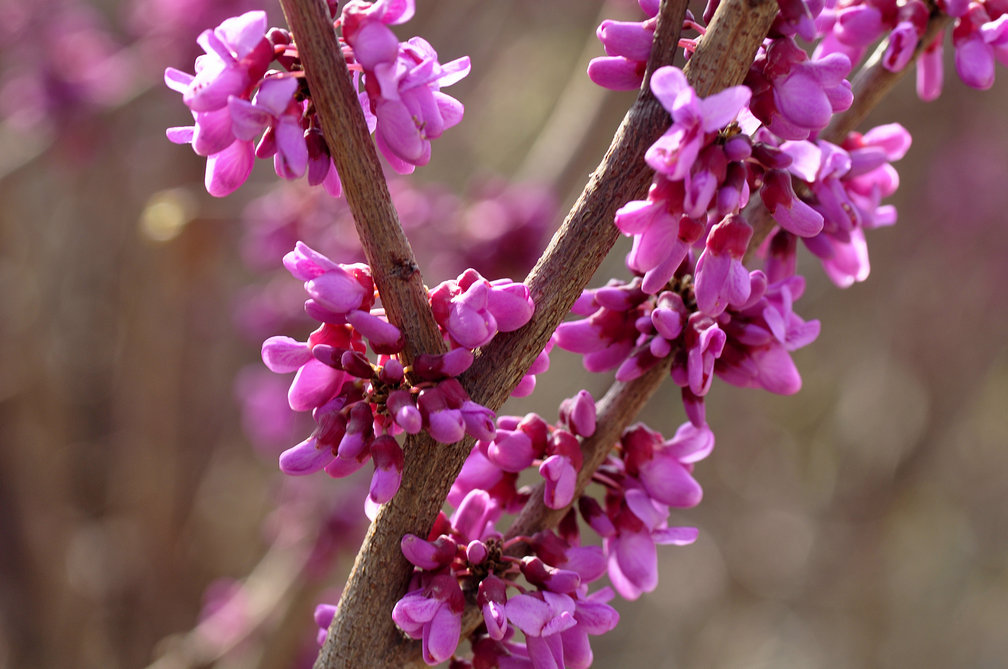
(842, 31)
(243, 110)
(359, 405)
(539, 585)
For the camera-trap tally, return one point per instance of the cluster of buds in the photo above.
(244, 110)
(359, 406)
(538, 585)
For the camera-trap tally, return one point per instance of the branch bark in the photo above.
(576, 250)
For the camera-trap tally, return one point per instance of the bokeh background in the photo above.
(861, 523)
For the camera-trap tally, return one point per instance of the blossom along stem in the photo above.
(872, 83)
(386, 248)
(614, 413)
(576, 250)
(380, 573)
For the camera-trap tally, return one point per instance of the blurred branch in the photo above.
(269, 590)
(555, 152)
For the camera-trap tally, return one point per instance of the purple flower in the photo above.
(472, 310)
(237, 54)
(542, 616)
(491, 597)
(274, 110)
(661, 236)
(594, 616)
(704, 342)
(632, 552)
(693, 120)
(663, 468)
(627, 45)
(794, 96)
(433, 614)
(761, 337)
(721, 279)
(408, 103)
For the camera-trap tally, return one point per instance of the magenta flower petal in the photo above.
(398, 130)
(669, 482)
(675, 536)
(229, 169)
(511, 451)
(383, 336)
(283, 354)
(637, 558)
(974, 61)
(561, 480)
(667, 83)
(441, 636)
(305, 458)
(510, 305)
(313, 385)
(337, 290)
(446, 426)
(213, 132)
(616, 73)
(628, 39)
(720, 109)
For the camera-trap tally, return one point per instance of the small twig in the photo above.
(615, 411)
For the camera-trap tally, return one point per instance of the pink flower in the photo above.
(721, 279)
(409, 105)
(542, 616)
(274, 110)
(433, 614)
(694, 120)
(237, 54)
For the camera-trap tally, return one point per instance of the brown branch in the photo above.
(724, 54)
(386, 248)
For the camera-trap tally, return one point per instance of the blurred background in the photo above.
(861, 523)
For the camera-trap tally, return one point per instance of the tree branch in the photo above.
(386, 248)
(576, 250)
(615, 411)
